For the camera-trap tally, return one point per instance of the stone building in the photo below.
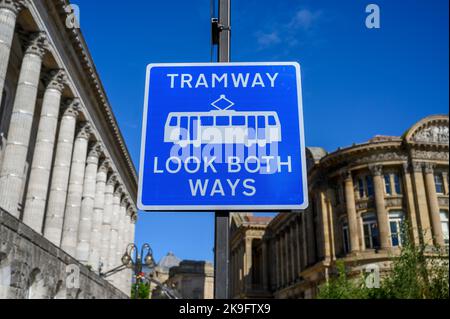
(66, 178)
(360, 197)
(193, 279)
(161, 273)
(188, 279)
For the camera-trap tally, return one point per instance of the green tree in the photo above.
(419, 272)
(143, 291)
(342, 287)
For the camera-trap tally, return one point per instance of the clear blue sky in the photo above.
(357, 82)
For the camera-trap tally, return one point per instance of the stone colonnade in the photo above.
(74, 195)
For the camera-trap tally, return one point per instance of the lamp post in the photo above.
(133, 260)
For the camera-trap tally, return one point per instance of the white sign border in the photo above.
(209, 208)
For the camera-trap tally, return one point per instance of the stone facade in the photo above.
(192, 279)
(65, 171)
(188, 279)
(32, 267)
(359, 198)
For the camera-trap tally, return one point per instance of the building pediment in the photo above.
(431, 130)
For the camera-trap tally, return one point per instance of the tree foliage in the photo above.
(143, 291)
(419, 272)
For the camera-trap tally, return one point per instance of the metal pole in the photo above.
(225, 34)
(222, 219)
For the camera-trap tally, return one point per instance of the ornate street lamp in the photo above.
(135, 261)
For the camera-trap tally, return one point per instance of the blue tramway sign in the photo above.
(223, 137)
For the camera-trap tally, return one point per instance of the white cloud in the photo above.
(268, 39)
(301, 25)
(304, 19)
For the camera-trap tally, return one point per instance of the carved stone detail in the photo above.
(37, 44)
(13, 5)
(71, 107)
(377, 170)
(417, 167)
(443, 201)
(84, 130)
(429, 168)
(382, 157)
(112, 180)
(394, 202)
(56, 80)
(428, 155)
(432, 134)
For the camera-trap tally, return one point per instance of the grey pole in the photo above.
(222, 218)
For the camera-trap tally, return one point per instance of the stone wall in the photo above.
(32, 267)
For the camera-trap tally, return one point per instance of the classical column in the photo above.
(134, 218)
(38, 184)
(287, 259)
(293, 252)
(332, 225)
(325, 226)
(121, 238)
(97, 218)
(248, 264)
(433, 204)
(112, 261)
(126, 275)
(15, 155)
(310, 237)
(60, 173)
(87, 204)
(265, 265)
(304, 243)
(351, 212)
(9, 9)
(299, 245)
(445, 180)
(408, 193)
(69, 239)
(106, 224)
(278, 254)
(421, 203)
(380, 204)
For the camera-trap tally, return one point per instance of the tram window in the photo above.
(252, 127)
(261, 122)
(272, 121)
(222, 121)
(252, 122)
(207, 121)
(174, 121)
(239, 120)
(184, 122)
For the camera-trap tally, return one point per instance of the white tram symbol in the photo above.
(223, 126)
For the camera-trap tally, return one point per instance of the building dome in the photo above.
(167, 262)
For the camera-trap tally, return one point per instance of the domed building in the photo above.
(360, 197)
(161, 273)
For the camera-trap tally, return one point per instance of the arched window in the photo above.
(371, 233)
(439, 183)
(397, 184)
(387, 184)
(346, 237)
(396, 222)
